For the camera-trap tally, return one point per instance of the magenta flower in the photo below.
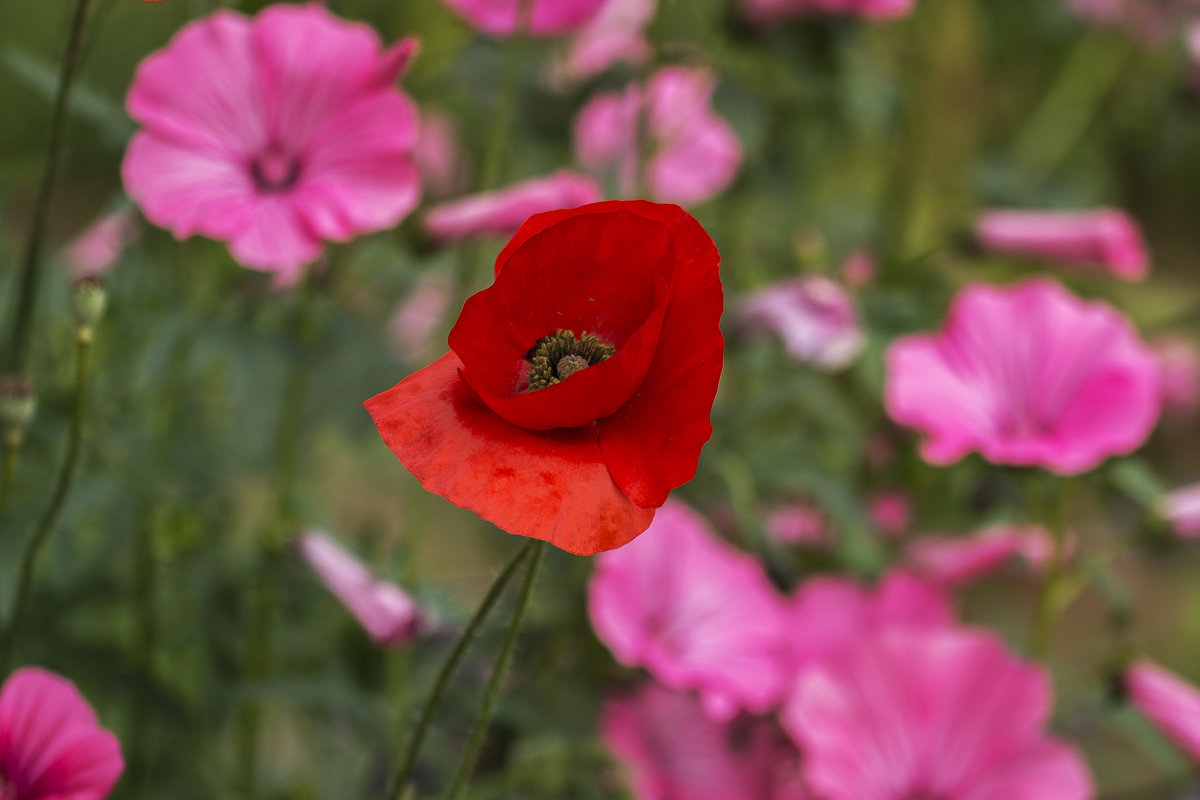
(385, 611)
(890, 510)
(1105, 238)
(798, 523)
(695, 612)
(411, 327)
(94, 251)
(771, 11)
(501, 212)
(545, 17)
(693, 154)
(273, 134)
(954, 560)
(617, 34)
(1179, 375)
(51, 745)
(1168, 701)
(1181, 508)
(813, 315)
(1027, 375)
(672, 750)
(946, 714)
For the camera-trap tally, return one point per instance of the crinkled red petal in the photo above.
(551, 485)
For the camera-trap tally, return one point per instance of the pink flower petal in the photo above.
(1182, 509)
(94, 251)
(1168, 701)
(501, 212)
(815, 318)
(1106, 238)
(547, 17)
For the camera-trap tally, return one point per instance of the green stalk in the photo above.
(20, 343)
(12, 446)
(467, 765)
(412, 750)
(83, 350)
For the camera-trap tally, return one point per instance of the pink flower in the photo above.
(615, 35)
(890, 510)
(501, 212)
(1181, 508)
(51, 745)
(859, 268)
(944, 713)
(546, 17)
(1179, 375)
(695, 612)
(770, 11)
(273, 134)
(385, 610)
(438, 156)
(94, 251)
(410, 330)
(1168, 701)
(954, 560)
(673, 751)
(798, 523)
(815, 318)
(1028, 375)
(1105, 238)
(695, 154)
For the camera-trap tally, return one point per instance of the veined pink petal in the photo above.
(501, 212)
(1106, 238)
(1168, 701)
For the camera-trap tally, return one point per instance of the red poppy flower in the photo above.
(579, 384)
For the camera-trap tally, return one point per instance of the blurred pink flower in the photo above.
(545, 17)
(51, 744)
(1179, 374)
(1105, 238)
(672, 750)
(95, 250)
(1181, 508)
(694, 153)
(385, 611)
(439, 158)
(1027, 375)
(1151, 21)
(814, 316)
(769, 11)
(616, 34)
(695, 612)
(410, 330)
(797, 523)
(943, 713)
(273, 134)
(954, 560)
(859, 268)
(831, 614)
(890, 510)
(501, 212)
(1168, 701)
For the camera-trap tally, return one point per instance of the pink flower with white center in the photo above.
(695, 612)
(1179, 375)
(94, 251)
(51, 745)
(771, 11)
(890, 510)
(1181, 508)
(1027, 375)
(671, 750)
(1168, 701)
(798, 523)
(1106, 238)
(955, 560)
(694, 154)
(273, 134)
(386, 612)
(535, 17)
(617, 34)
(438, 156)
(813, 315)
(501, 212)
(946, 714)
(411, 327)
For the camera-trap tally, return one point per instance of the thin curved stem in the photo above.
(12, 446)
(413, 749)
(83, 350)
(467, 765)
(25, 301)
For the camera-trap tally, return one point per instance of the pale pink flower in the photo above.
(954, 560)
(1168, 701)
(617, 34)
(385, 611)
(96, 249)
(890, 510)
(411, 327)
(273, 134)
(797, 523)
(771, 11)
(859, 268)
(1026, 375)
(942, 713)
(693, 154)
(1179, 375)
(535, 17)
(671, 750)
(438, 156)
(1105, 238)
(814, 316)
(1181, 508)
(502, 211)
(51, 744)
(695, 612)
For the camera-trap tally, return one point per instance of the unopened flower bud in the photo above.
(18, 402)
(88, 299)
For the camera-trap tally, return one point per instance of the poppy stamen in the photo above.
(560, 355)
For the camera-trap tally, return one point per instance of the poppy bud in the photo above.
(18, 402)
(88, 299)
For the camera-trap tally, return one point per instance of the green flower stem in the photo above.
(412, 750)
(1056, 590)
(20, 343)
(467, 765)
(510, 82)
(83, 351)
(12, 446)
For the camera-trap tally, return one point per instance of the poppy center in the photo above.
(275, 171)
(560, 355)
